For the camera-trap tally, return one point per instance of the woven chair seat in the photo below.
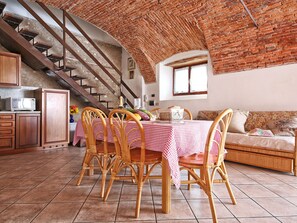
(196, 160)
(110, 147)
(150, 156)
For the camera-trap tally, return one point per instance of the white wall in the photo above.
(137, 83)
(273, 88)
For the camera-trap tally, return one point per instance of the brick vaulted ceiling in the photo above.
(153, 30)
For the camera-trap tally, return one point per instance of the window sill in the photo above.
(186, 97)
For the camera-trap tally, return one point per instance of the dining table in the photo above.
(173, 139)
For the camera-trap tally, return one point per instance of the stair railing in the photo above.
(120, 84)
(52, 32)
(123, 84)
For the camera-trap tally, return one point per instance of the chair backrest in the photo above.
(127, 133)
(215, 143)
(187, 114)
(94, 125)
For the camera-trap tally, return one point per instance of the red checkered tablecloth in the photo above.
(172, 139)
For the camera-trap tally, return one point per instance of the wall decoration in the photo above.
(131, 64)
(131, 74)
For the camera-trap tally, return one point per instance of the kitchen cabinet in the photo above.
(54, 107)
(10, 68)
(27, 130)
(7, 131)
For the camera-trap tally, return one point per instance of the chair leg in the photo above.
(104, 173)
(112, 178)
(82, 173)
(91, 169)
(138, 201)
(208, 191)
(85, 166)
(139, 189)
(189, 178)
(212, 207)
(227, 183)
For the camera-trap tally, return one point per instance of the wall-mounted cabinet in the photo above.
(10, 69)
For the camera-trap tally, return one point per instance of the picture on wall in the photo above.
(131, 74)
(131, 64)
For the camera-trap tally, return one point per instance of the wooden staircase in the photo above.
(36, 55)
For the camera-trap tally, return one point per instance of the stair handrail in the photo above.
(50, 30)
(65, 45)
(128, 89)
(36, 54)
(103, 55)
(65, 29)
(92, 42)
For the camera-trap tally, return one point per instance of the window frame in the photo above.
(189, 78)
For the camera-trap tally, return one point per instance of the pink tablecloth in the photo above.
(173, 139)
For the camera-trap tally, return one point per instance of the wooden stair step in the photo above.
(105, 101)
(2, 6)
(28, 35)
(42, 47)
(54, 58)
(97, 94)
(77, 78)
(66, 68)
(87, 86)
(13, 20)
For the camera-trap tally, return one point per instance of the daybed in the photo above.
(274, 152)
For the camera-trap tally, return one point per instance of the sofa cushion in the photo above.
(238, 121)
(278, 143)
(259, 119)
(207, 115)
(261, 132)
(283, 127)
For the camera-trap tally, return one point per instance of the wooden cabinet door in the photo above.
(6, 143)
(27, 130)
(55, 117)
(10, 65)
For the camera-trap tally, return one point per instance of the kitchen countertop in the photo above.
(1, 112)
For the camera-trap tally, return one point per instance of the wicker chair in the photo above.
(211, 161)
(129, 139)
(94, 125)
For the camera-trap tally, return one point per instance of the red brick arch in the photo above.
(152, 32)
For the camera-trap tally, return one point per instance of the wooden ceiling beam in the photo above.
(189, 61)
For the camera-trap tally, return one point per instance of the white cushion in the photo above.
(238, 121)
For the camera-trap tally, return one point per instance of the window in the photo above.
(190, 80)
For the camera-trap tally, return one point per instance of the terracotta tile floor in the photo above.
(40, 187)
